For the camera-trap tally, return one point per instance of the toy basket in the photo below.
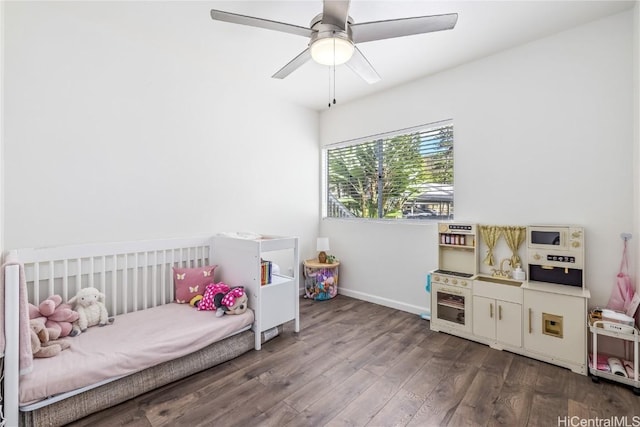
(321, 283)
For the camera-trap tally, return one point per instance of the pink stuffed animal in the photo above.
(59, 317)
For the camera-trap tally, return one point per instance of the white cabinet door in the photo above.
(277, 303)
(555, 325)
(509, 323)
(484, 317)
(497, 320)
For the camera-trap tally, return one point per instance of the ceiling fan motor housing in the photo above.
(329, 43)
(322, 31)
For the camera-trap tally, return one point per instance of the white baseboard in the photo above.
(409, 308)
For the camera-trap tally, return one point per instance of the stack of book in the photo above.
(265, 272)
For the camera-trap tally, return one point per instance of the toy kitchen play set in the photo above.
(515, 288)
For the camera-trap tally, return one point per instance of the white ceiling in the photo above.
(483, 28)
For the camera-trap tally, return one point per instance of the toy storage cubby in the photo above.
(240, 262)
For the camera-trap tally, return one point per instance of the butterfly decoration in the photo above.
(206, 273)
(180, 276)
(193, 288)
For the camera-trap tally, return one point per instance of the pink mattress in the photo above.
(135, 341)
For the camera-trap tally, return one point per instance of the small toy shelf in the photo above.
(597, 327)
(274, 301)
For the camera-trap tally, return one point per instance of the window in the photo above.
(406, 174)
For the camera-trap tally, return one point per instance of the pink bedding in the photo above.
(135, 341)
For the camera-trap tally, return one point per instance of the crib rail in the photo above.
(132, 275)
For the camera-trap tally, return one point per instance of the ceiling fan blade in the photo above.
(359, 65)
(379, 30)
(336, 12)
(234, 18)
(293, 65)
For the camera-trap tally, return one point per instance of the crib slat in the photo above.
(36, 283)
(174, 263)
(65, 280)
(125, 283)
(78, 275)
(91, 271)
(103, 276)
(114, 289)
(135, 282)
(51, 279)
(170, 275)
(165, 267)
(145, 281)
(154, 279)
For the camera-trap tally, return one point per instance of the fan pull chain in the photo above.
(329, 104)
(334, 68)
(334, 74)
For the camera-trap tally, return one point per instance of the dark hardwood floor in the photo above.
(359, 364)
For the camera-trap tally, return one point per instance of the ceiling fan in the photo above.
(333, 35)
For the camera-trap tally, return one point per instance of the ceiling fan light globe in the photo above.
(332, 51)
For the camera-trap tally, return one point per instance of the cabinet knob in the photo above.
(463, 282)
(446, 280)
(454, 281)
(575, 244)
(436, 278)
(536, 256)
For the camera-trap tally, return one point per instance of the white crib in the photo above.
(134, 276)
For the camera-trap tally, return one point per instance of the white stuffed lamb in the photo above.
(91, 311)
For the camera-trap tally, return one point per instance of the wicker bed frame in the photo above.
(118, 391)
(134, 276)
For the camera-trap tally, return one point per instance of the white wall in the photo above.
(544, 133)
(128, 121)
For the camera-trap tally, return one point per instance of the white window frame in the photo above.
(324, 182)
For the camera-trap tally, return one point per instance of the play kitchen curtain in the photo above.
(514, 237)
(490, 234)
